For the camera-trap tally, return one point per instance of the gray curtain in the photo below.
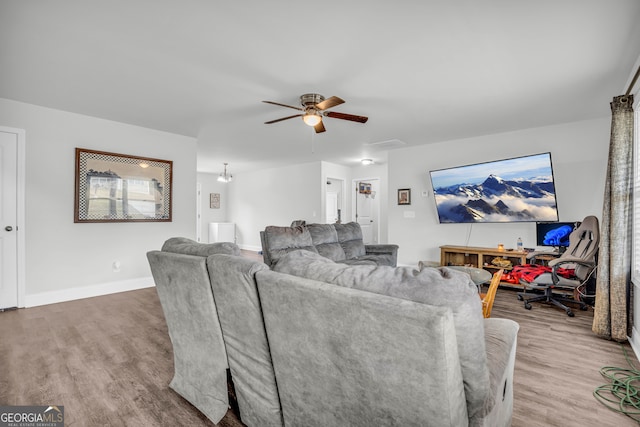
(611, 317)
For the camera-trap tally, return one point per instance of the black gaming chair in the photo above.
(580, 256)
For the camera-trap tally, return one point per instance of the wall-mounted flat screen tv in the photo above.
(519, 189)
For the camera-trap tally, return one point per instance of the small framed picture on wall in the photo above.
(404, 196)
(214, 201)
(364, 188)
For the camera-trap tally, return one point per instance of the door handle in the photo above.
(8, 228)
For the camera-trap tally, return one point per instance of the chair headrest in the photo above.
(584, 240)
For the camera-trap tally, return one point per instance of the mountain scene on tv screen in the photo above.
(497, 199)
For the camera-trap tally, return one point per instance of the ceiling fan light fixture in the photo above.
(313, 108)
(311, 119)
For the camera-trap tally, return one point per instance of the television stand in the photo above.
(481, 258)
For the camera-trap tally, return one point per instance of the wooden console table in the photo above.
(479, 257)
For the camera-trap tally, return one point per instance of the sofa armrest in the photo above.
(501, 336)
(265, 250)
(381, 249)
(384, 254)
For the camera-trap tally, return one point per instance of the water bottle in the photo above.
(519, 244)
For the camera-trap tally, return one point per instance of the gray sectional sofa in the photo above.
(313, 342)
(341, 243)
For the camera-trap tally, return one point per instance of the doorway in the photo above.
(367, 208)
(334, 201)
(198, 212)
(12, 152)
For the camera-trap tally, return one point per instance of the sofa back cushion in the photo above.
(182, 245)
(433, 286)
(350, 238)
(344, 357)
(234, 290)
(200, 359)
(325, 239)
(278, 241)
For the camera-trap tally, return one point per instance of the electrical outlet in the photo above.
(115, 267)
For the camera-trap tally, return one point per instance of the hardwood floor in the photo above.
(109, 361)
(558, 363)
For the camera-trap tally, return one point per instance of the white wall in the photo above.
(579, 154)
(279, 196)
(274, 197)
(65, 260)
(209, 184)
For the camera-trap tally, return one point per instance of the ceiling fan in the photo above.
(313, 109)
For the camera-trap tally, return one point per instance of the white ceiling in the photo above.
(422, 71)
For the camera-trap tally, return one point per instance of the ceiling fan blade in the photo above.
(281, 119)
(319, 127)
(283, 105)
(329, 102)
(344, 116)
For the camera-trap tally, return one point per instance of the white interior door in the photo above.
(332, 207)
(366, 210)
(364, 217)
(8, 220)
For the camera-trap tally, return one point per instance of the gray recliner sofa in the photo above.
(210, 336)
(315, 343)
(200, 359)
(341, 243)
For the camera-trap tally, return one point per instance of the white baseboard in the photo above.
(71, 294)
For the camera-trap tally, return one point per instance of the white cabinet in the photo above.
(222, 232)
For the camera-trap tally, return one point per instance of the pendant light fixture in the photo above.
(224, 176)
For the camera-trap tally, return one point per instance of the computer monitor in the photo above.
(554, 234)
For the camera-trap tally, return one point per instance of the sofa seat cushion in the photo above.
(434, 286)
(360, 261)
(325, 239)
(381, 259)
(282, 240)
